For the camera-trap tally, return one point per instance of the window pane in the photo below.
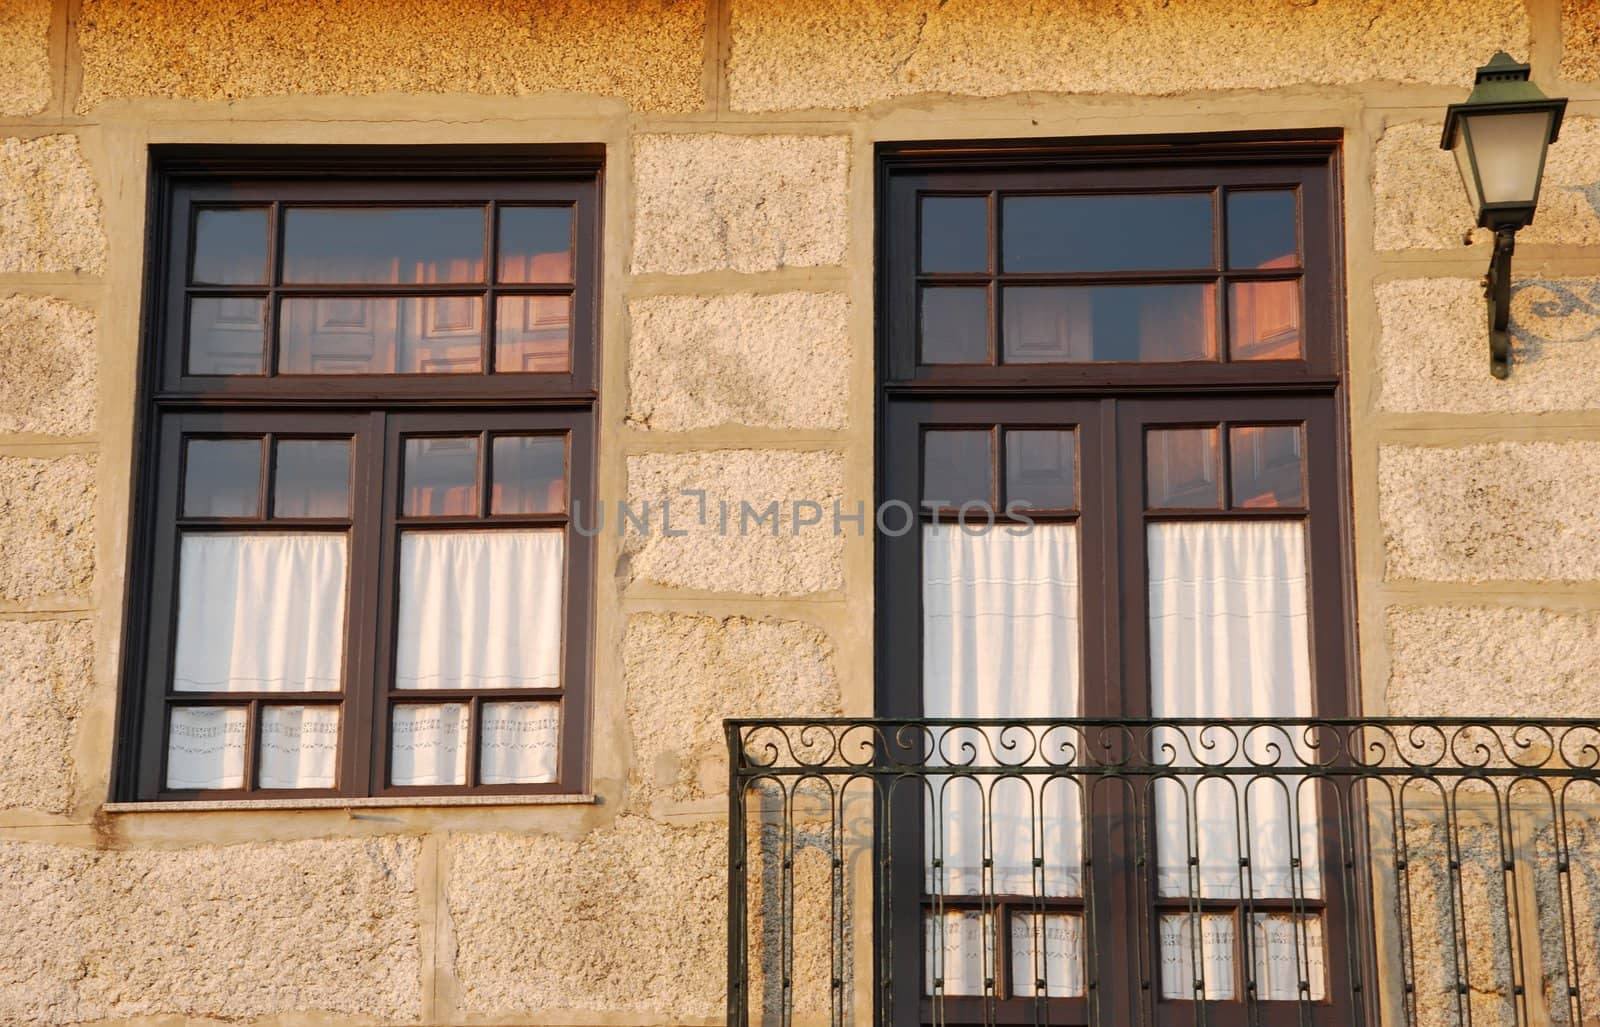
(230, 247)
(260, 612)
(383, 244)
(1262, 229)
(1106, 233)
(533, 334)
(535, 244)
(521, 741)
(428, 744)
(530, 474)
(1264, 321)
(1058, 962)
(1283, 945)
(311, 478)
(222, 478)
(1205, 940)
(441, 477)
(227, 335)
(955, 325)
(1041, 468)
(957, 467)
(1267, 466)
(1181, 469)
(955, 233)
(480, 609)
(381, 335)
(959, 945)
(299, 747)
(205, 747)
(1072, 324)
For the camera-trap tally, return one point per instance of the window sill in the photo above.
(410, 801)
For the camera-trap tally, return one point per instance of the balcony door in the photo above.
(1112, 394)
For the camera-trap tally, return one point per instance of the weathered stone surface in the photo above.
(1421, 203)
(1580, 40)
(24, 56)
(1481, 661)
(796, 54)
(685, 674)
(46, 670)
(47, 366)
(46, 527)
(778, 361)
(647, 52)
(1433, 353)
(225, 933)
(739, 202)
(1506, 511)
(631, 919)
(738, 551)
(49, 208)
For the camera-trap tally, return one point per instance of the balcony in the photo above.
(1432, 873)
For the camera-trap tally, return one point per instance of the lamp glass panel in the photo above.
(1469, 176)
(1509, 152)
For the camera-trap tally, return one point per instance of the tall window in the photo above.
(369, 411)
(1133, 355)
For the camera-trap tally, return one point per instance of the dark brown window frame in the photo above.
(1110, 404)
(374, 411)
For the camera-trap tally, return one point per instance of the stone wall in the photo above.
(737, 357)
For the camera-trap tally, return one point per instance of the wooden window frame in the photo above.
(1111, 404)
(374, 411)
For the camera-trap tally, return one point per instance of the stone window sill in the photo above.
(400, 802)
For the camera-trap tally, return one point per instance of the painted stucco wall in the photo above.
(737, 357)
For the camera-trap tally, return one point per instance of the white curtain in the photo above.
(520, 742)
(257, 612)
(480, 609)
(260, 612)
(1228, 639)
(1000, 639)
(428, 744)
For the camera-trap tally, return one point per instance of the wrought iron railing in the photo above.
(1418, 872)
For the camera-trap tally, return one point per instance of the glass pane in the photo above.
(1267, 466)
(535, 244)
(1040, 468)
(227, 335)
(957, 467)
(1197, 956)
(222, 478)
(1106, 233)
(1054, 968)
(260, 612)
(205, 747)
(381, 335)
(230, 247)
(955, 325)
(299, 747)
(1263, 229)
(521, 741)
(955, 233)
(441, 477)
(530, 474)
(959, 947)
(1264, 321)
(1508, 149)
(1181, 469)
(533, 334)
(311, 478)
(428, 744)
(480, 609)
(1071, 324)
(383, 244)
(1285, 947)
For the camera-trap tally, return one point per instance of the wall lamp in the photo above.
(1499, 136)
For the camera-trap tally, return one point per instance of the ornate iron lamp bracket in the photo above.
(1497, 287)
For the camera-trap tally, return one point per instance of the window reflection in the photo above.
(530, 474)
(1041, 468)
(311, 478)
(1181, 466)
(957, 467)
(955, 233)
(1264, 321)
(230, 247)
(368, 245)
(1074, 324)
(381, 335)
(533, 334)
(222, 478)
(1267, 466)
(441, 477)
(1107, 233)
(955, 325)
(1262, 229)
(227, 335)
(535, 244)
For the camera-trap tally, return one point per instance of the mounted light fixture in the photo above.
(1499, 136)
